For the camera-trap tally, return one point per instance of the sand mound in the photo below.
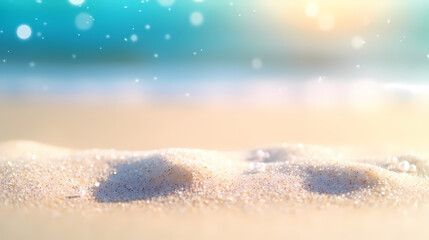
(334, 179)
(282, 175)
(14, 149)
(159, 174)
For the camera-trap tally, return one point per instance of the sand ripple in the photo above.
(36, 174)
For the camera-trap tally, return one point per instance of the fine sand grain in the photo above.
(47, 192)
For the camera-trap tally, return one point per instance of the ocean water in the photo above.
(240, 49)
(218, 84)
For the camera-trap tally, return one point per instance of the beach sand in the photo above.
(367, 177)
(389, 129)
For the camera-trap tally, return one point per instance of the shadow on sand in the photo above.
(142, 180)
(334, 180)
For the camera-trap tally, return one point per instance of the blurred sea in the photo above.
(275, 52)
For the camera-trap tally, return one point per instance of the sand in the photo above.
(286, 174)
(366, 177)
(387, 130)
(190, 192)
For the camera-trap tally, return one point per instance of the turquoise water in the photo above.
(102, 46)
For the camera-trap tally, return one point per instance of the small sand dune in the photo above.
(15, 149)
(36, 174)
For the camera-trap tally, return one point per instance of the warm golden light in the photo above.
(326, 15)
(312, 9)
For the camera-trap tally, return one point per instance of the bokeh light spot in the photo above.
(326, 22)
(257, 63)
(77, 2)
(134, 38)
(312, 9)
(357, 42)
(24, 32)
(196, 19)
(166, 3)
(84, 21)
